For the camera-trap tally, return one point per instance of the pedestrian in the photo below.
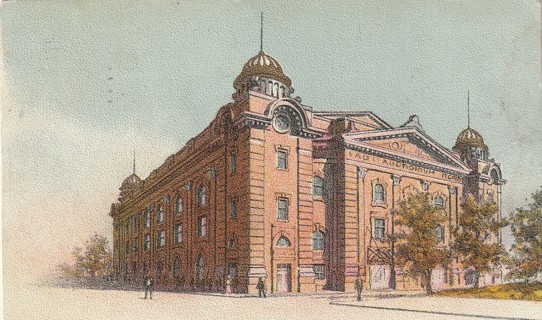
(261, 288)
(359, 287)
(228, 284)
(149, 282)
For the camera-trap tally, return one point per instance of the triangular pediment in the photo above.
(407, 143)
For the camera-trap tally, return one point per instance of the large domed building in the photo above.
(299, 197)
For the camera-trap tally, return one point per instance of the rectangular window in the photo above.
(233, 163)
(282, 159)
(379, 229)
(202, 226)
(319, 271)
(440, 234)
(161, 240)
(179, 233)
(233, 210)
(135, 245)
(127, 228)
(147, 244)
(147, 217)
(127, 247)
(159, 214)
(282, 213)
(317, 186)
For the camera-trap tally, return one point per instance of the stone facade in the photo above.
(301, 198)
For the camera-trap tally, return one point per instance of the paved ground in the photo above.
(33, 302)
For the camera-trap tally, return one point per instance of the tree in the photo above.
(526, 226)
(92, 264)
(476, 237)
(418, 220)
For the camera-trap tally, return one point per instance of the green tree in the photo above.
(91, 264)
(526, 226)
(417, 220)
(476, 238)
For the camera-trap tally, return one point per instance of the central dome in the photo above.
(262, 65)
(131, 182)
(470, 138)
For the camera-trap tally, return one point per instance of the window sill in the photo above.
(380, 204)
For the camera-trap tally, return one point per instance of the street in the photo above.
(35, 302)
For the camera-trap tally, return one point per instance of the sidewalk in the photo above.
(464, 307)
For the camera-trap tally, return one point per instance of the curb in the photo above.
(429, 312)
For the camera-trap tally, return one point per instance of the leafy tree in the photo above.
(418, 219)
(476, 238)
(526, 226)
(91, 264)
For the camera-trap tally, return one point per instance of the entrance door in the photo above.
(284, 278)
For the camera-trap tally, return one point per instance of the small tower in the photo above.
(130, 183)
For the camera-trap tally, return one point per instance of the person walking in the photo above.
(228, 284)
(359, 287)
(149, 282)
(261, 288)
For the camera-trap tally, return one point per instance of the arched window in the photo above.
(199, 268)
(494, 176)
(202, 195)
(439, 202)
(178, 204)
(276, 90)
(318, 240)
(176, 267)
(317, 186)
(379, 193)
(283, 242)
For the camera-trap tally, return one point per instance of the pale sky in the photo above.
(86, 82)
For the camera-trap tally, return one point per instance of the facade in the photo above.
(301, 198)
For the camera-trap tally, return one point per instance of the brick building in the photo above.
(302, 198)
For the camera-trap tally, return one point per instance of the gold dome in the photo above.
(469, 138)
(262, 65)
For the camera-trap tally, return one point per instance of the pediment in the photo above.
(407, 143)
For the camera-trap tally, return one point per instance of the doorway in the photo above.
(284, 278)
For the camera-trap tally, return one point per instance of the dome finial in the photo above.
(468, 108)
(134, 162)
(261, 31)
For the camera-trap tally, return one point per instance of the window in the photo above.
(202, 195)
(147, 216)
(490, 198)
(161, 240)
(379, 193)
(283, 242)
(159, 269)
(159, 214)
(147, 244)
(176, 267)
(379, 229)
(202, 226)
(178, 205)
(232, 244)
(282, 213)
(199, 268)
(282, 161)
(317, 186)
(134, 245)
(233, 210)
(439, 202)
(127, 247)
(179, 233)
(318, 240)
(127, 228)
(440, 233)
(233, 163)
(319, 271)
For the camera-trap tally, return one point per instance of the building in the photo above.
(301, 198)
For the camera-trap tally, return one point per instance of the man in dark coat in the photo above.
(359, 287)
(149, 282)
(261, 288)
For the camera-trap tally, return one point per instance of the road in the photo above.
(35, 302)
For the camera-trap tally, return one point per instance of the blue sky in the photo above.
(86, 82)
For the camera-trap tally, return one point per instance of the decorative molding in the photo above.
(396, 179)
(362, 172)
(187, 186)
(425, 185)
